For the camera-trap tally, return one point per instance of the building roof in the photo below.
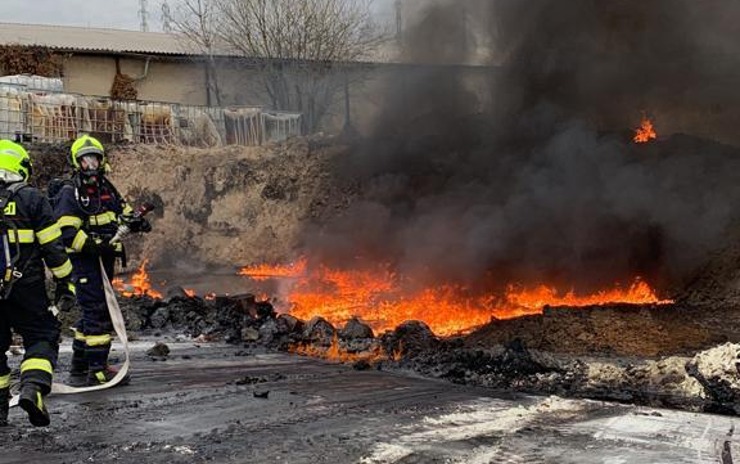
(85, 39)
(119, 41)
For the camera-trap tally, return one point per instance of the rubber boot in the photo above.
(106, 375)
(78, 370)
(32, 401)
(99, 371)
(4, 400)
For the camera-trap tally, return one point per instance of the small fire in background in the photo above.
(646, 131)
(379, 298)
(139, 285)
(262, 272)
(189, 292)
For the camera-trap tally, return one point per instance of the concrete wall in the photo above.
(184, 81)
(181, 81)
(168, 80)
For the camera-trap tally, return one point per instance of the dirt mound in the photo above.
(228, 206)
(49, 161)
(717, 283)
(619, 330)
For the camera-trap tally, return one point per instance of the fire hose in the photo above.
(119, 325)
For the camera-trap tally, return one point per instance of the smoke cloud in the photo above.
(524, 170)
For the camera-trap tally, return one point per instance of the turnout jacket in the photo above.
(33, 237)
(85, 213)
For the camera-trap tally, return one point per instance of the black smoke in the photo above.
(524, 170)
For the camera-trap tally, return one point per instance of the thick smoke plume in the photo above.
(524, 170)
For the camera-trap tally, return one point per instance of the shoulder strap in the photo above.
(112, 188)
(15, 187)
(55, 187)
(7, 192)
(10, 274)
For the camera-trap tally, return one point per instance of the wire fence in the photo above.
(57, 117)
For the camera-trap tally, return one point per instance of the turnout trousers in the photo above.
(92, 332)
(26, 311)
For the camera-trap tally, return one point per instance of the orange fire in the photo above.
(336, 353)
(189, 292)
(139, 284)
(380, 299)
(265, 271)
(638, 293)
(645, 132)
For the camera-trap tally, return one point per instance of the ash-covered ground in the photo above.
(209, 402)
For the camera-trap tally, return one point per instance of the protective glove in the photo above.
(93, 247)
(65, 295)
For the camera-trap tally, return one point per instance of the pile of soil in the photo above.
(617, 330)
(231, 206)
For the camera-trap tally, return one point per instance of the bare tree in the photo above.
(197, 21)
(301, 47)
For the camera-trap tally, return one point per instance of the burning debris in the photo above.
(500, 352)
(385, 299)
(551, 349)
(139, 284)
(594, 369)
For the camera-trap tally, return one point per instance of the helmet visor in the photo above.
(89, 162)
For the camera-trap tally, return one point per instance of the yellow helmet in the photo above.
(14, 159)
(86, 145)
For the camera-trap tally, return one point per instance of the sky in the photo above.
(116, 14)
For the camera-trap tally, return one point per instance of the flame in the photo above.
(139, 285)
(189, 292)
(638, 293)
(336, 353)
(381, 299)
(645, 132)
(265, 271)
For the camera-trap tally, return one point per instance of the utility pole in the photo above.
(399, 21)
(166, 18)
(143, 15)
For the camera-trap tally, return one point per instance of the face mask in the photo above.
(89, 163)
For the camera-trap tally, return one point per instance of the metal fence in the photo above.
(255, 126)
(55, 117)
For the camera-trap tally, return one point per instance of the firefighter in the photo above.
(89, 211)
(29, 237)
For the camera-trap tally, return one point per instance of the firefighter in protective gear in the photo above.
(89, 210)
(30, 237)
